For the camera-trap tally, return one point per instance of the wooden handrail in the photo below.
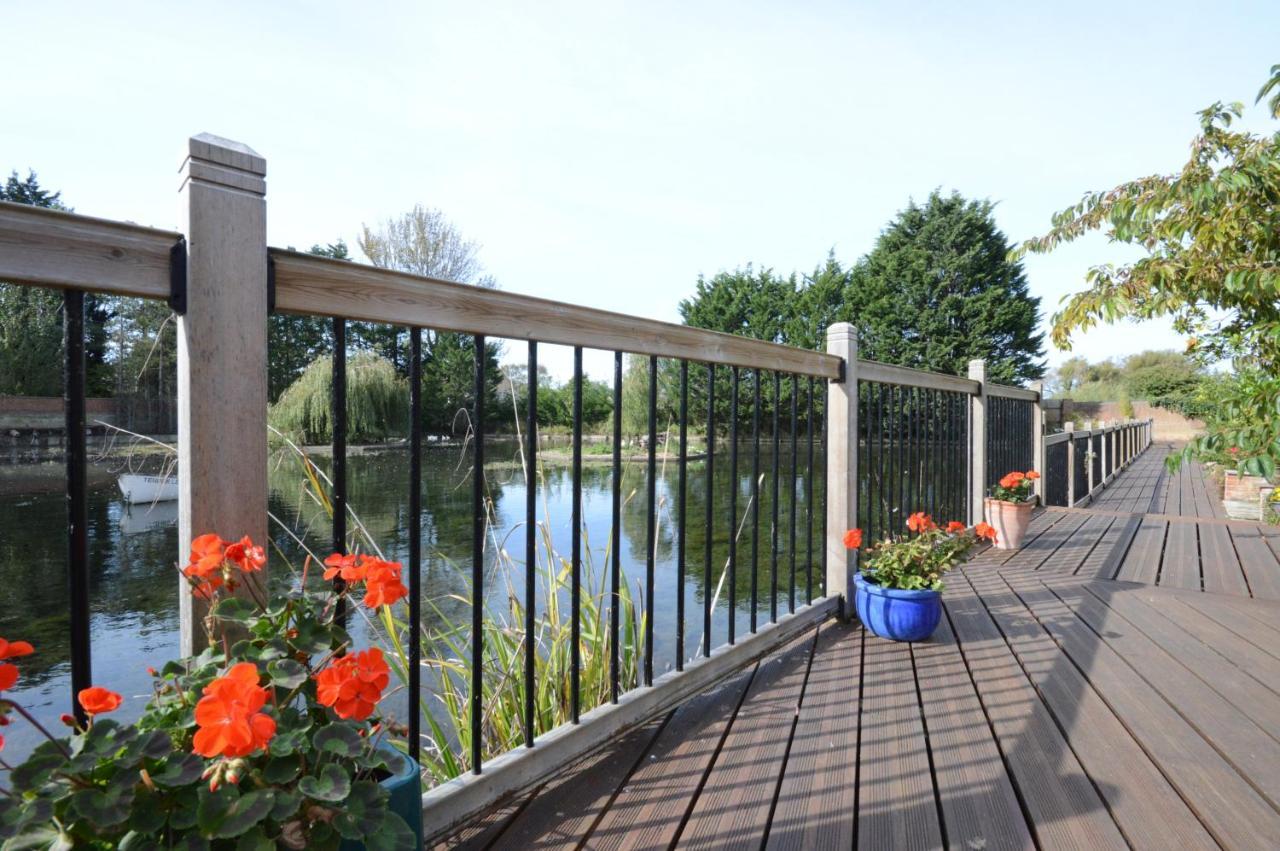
(1007, 392)
(51, 248)
(884, 373)
(323, 286)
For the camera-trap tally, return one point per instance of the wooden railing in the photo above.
(884, 440)
(1079, 463)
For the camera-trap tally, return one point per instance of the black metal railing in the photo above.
(1055, 472)
(1010, 444)
(1080, 473)
(913, 455)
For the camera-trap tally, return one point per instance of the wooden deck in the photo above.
(1057, 706)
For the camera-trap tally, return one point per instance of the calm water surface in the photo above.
(134, 586)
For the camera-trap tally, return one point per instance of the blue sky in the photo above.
(607, 153)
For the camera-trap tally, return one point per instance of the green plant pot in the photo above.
(405, 787)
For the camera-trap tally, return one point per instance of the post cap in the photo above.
(224, 162)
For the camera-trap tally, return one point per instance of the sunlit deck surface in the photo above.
(1115, 683)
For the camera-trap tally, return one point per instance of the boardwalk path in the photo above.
(1114, 684)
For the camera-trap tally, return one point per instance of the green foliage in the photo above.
(916, 562)
(294, 341)
(1211, 238)
(1165, 379)
(936, 291)
(377, 402)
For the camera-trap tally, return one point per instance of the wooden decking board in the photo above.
(1238, 651)
(481, 833)
(649, 809)
(1259, 561)
(1222, 570)
(1076, 549)
(1142, 562)
(733, 808)
(979, 805)
(896, 803)
(1230, 808)
(1181, 565)
(1144, 805)
(1060, 799)
(563, 811)
(1254, 623)
(1253, 753)
(1105, 560)
(1249, 695)
(817, 801)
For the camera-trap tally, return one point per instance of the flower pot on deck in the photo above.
(895, 614)
(1010, 520)
(405, 787)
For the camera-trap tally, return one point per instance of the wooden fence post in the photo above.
(1070, 428)
(222, 355)
(977, 442)
(1037, 437)
(842, 465)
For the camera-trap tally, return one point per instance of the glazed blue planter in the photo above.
(405, 787)
(897, 615)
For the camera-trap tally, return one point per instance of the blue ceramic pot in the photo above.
(405, 787)
(894, 614)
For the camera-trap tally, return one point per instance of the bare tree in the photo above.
(424, 242)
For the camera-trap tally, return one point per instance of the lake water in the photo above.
(134, 586)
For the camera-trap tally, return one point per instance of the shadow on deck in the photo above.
(1057, 706)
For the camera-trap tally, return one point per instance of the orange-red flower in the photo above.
(348, 567)
(921, 522)
(853, 539)
(228, 716)
(245, 555)
(382, 585)
(353, 684)
(955, 526)
(10, 649)
(1032, 475)
(985, 531)
(1012, 480)
(208, 552)
(96, 700)
(8, 675)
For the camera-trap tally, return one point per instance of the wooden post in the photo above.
(222, 355)
(1070, 428)
(1103, 449)
(842, 465)
(1037, 437)
(977, 442)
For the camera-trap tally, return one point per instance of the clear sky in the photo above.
(607, 153)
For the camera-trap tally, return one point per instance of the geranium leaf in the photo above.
(235, 609)
(341, 739)
(180, 769)
(286, 805)
(392, 835)
(287, 673)
(255, 840)
(282, 769)
(363, 812)
(331, 785)
(103, 808)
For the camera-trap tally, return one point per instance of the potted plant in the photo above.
(898, 590)
(1009, 507)
(268, 738)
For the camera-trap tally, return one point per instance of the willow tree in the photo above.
(377, 402)
(1210, 234)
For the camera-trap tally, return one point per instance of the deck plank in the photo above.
(896, 803)
(817, 802)
(979, 805)
(733, 808)
(1261, 563)
(1181, 566)
(1223, 573)
(1063, 805)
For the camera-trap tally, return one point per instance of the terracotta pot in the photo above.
(1010, 520)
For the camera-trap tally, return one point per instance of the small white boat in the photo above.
(135, 519)
(141, 489)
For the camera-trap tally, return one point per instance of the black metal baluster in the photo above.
(339, 414)
(881, 521)
(773, 528)
(755, 498)
(808, 492)
(477, 559)
(651, 528)
(825, 484)
(575, 670)
(680, 513)
(415, 540)
(795, 392)
(733, 504)
(708, 578)
(530, 539)
(615, 540)
(895, 478)
(77, 460)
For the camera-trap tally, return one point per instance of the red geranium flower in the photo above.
(208, 552)
(1012, 480)
(96, 700)
(8, 675)
(853, 539)
(353, 684)
(228, 716)
(347, 567)
(921, 522)
(1032, 475)
(955, 526)
(382, 585)
(985, 531)
(9, 649)
(245, 555)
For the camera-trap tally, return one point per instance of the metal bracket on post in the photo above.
(271, 283)
(178, 276)
(842, 465)
(977, 442)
